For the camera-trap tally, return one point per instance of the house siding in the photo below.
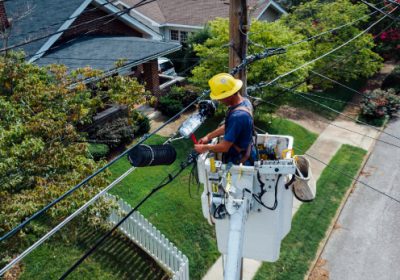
(106, 26)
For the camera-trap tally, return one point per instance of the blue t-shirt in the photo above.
(239, 130)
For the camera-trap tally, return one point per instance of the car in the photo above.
(166, 67)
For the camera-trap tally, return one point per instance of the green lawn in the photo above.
(173, 212)
(336, 92)
(118, 258)
(313, 219)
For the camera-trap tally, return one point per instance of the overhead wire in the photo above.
(61, 22)
(168, 179)
(341, 172)
(338, 112)
(87, 179)
(115, 14)
(265, 84)
(335, 125)
(379, 10)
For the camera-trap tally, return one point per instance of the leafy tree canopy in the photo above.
(354, 60)
(42, 154)
(214, 52)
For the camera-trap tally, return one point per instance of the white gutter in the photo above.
(182, 26)
(131, 20)
(275, 5)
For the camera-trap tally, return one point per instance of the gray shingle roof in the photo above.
(36, 18)
(191, 12)
(101, 52)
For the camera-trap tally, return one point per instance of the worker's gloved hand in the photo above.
(204, 140)
(201, 148)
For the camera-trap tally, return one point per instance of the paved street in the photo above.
(365, 243)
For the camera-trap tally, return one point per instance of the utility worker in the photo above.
(237, 144)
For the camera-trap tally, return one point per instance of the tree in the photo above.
(41, 151)
(214, 52)
(354, 60)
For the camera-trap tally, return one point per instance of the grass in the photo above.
(172, 211)
(313, 219)
(118, 258)
(303, 138)
(336, 92)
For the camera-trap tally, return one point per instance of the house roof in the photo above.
(32, 19)
(101, 52)
(193, 12)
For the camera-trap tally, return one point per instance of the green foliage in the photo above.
(98, 151)
(141, 123)
(357, 58)
(214, 56)
(178, 98)
(393, 80)
(116, 132)
(313, 219)
(378, 104)
(42, 154)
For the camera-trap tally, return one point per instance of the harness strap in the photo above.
(247, 151)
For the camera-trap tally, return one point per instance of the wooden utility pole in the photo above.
(238, 27)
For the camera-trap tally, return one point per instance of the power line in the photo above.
(64, 222)
(342, 172)
(379, 10)
(265, 84)
(335, 125)
(62, 21)
(116, 14)
(87, 179)
(191, 159)
(338, 112)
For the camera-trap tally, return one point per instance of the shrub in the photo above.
(116, 132)
(388, 44)
(98, 151)
(393, 80)
(141, 123)
(379, 103)
(178, 98)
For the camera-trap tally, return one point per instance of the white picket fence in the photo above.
(151, 240)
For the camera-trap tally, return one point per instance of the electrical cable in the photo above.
(379, 10)
(116, 14)
(265, 84)
(64, 222)
(338, 126)
(258, 197)
(163, 183)
(340, 113)
(87, 179)
(341, 172)
(60, 22)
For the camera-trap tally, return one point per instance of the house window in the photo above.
(174, 35)
(184, 36)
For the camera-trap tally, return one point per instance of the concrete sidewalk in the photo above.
(324, 148)
(363, 244)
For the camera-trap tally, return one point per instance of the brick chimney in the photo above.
(4, 23)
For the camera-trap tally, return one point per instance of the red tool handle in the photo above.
(193, 138)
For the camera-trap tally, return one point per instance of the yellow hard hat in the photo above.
(224, 85)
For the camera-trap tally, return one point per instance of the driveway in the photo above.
(365, 242)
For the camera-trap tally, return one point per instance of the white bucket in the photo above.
(304, 187)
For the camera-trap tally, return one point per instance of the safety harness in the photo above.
(245, 153)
